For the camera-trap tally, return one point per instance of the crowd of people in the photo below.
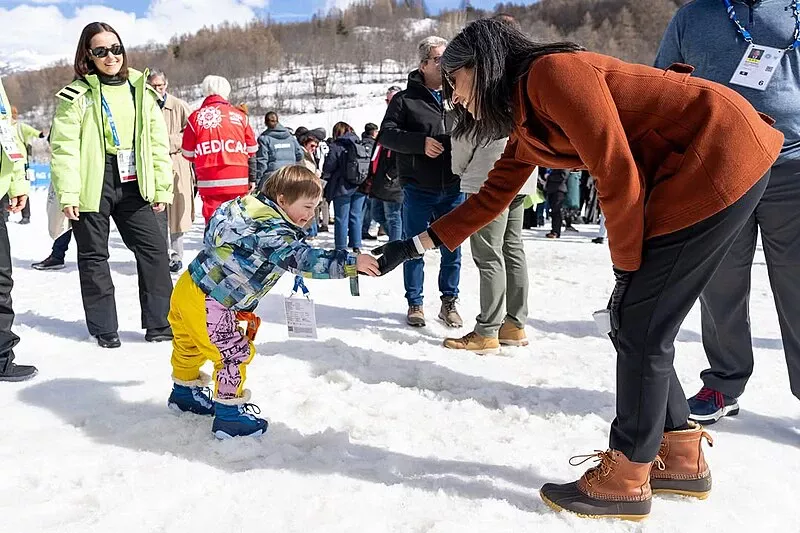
(491, 132)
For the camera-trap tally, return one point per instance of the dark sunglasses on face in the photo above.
(436, 60)
(101, 51)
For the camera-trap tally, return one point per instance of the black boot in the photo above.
(108, 340)
(158, 334)
(12, 372)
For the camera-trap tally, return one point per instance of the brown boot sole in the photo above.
(557, 508)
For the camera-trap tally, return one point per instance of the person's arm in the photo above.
(299, 155)
(29, 133)
(283, 249)
(160, 146)
(189, 142)
(394, 136)
(262, 158)
(65, 144)
(272, 155)
(669, 51)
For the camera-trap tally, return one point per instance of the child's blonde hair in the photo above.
(293, 182)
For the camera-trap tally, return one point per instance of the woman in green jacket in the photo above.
(111, 160)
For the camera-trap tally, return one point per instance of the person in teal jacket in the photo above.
(111, 160)
(12, 181)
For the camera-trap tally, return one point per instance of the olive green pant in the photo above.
(500, 257)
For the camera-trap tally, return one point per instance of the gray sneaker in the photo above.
(415, 316)
(449, 314)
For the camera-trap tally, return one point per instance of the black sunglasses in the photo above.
(101, 51)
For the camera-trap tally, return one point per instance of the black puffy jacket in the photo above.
(413, 115)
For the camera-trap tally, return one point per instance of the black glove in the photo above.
(623, 280)
(394, 253)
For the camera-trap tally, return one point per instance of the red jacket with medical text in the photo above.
(219, 141)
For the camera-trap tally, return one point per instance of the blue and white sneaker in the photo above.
(709, 405)
(237, 419)
(192, 397)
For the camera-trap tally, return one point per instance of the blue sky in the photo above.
(278, 9)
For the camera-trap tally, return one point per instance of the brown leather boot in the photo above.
(681, 467)
(474, 343)
(511, 335)
(614, 488)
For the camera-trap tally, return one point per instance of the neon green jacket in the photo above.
(12, 175)
(77, 142)
(25, 135)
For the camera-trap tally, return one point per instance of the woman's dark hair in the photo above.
(83, 59)
(500, 55)
(340, 128)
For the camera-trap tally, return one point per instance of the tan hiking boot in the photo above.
(415, 316)
(681, 467)
(449, 314)
(474, 343)
(614, 488)
(511, 335)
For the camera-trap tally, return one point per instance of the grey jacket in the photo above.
(473, 164)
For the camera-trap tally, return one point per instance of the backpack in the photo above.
(357, 163)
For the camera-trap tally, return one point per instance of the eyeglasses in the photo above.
(159, 85)
(101, 51)
(437, 59)
(448, 78)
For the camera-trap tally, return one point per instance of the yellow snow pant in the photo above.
(203, 330)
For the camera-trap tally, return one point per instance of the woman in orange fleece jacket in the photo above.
(680, 165)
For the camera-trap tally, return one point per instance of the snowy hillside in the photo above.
(374, 427)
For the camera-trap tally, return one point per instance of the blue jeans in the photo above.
(347, 220)
(420, 208)
(61, 245)
(390, 216)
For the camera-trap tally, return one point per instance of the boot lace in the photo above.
(604, 464)
(449, 305)
(251, 409)
(707, 394)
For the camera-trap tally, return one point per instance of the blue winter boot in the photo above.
(234, 418)
(192, 396)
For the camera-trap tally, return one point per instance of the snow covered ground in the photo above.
(373, 427)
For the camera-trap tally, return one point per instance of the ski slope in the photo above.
(373, 427)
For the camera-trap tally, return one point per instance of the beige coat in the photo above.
(181, 211)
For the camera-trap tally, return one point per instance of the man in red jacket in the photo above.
(219, 141)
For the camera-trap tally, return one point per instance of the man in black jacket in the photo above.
(417, 128)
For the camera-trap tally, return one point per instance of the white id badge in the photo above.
(8, 140)
(300, 317)
(126, 161)
(757, 67)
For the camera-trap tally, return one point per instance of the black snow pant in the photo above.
(7, 339)
(674, 271)
(137, 225)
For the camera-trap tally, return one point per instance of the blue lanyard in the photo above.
(749, 38)
(3, 110)
(111, 124)
(298, 284)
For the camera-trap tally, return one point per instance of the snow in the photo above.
(374, 427)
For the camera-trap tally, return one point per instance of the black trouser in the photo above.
(139, 230)
(675, 268)
(26, 211)
(61, 245)
(556, 201)
(7, 339)
(725, 302)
